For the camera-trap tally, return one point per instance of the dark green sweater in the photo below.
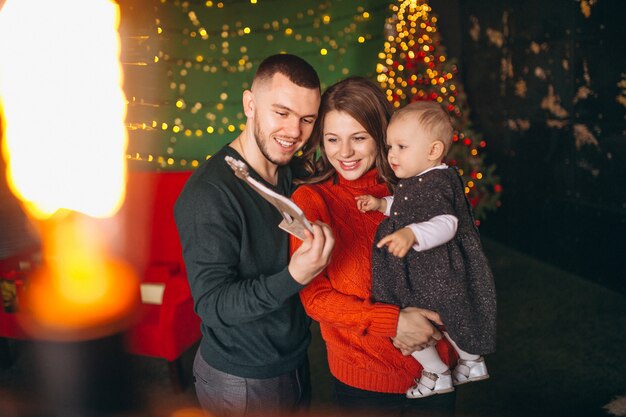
(253, 323)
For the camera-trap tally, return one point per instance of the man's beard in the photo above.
(262, 141)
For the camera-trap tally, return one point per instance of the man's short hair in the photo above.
(296, 69)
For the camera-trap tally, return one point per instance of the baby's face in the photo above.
(409, 147)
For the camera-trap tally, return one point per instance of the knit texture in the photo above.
(356, 330)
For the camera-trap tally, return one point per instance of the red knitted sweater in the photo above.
(356, 331)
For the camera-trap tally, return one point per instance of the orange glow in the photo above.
(189, 412)
(64, 143)
(79, 292)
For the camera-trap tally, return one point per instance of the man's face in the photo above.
(284, 115)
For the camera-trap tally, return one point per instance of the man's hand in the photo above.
(313, 255)
(398, 243)
(415, 330)
(370, 203)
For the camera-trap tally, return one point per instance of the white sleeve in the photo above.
(389, 200)
(434, 232)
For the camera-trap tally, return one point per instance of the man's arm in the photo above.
(211, 234)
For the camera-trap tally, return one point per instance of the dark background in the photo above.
(563, 203)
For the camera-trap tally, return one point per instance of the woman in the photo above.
(370, 374)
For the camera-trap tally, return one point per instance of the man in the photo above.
(253, 353)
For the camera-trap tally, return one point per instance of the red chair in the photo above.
(167, 325)
(14, 272)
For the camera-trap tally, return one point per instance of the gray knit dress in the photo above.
(453, 279)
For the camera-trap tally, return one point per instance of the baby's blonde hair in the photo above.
(431, 116)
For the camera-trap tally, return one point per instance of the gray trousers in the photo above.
(225, 395)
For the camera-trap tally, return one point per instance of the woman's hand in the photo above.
(415, 330)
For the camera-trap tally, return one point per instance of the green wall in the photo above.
(186, 64)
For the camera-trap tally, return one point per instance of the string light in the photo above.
(319, 29)
(194, 51)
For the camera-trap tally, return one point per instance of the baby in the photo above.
(427, 252)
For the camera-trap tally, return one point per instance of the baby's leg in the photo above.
(462, 354)
(436, 377)
(430, 360)
(471, 367)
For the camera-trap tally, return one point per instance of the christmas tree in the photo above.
(413, 66)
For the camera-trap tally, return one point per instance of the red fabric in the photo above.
(147, 218)
(356, 330)
(153, 246)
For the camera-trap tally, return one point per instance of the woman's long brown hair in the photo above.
(365, 102)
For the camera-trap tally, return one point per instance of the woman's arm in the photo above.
(410, 327)
(327, 305)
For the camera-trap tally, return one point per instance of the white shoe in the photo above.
(431, 383)
(469, 371)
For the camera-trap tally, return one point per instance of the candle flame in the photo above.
(64, 143)
(60, 76)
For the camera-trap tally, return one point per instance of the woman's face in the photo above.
(350, 149)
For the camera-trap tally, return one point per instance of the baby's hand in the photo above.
(368, 203)
(398, 243)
